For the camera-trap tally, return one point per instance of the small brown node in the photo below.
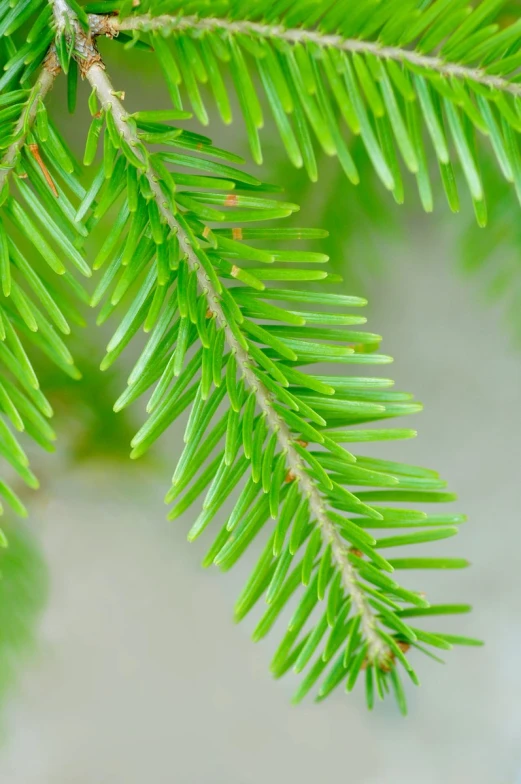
(387, 665)
(290, 477)
(237, 234)
(235, 271)
(231, 200)
(51, 63)
(300, 442)
(356, 551)
(206, 231)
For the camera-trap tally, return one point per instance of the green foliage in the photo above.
(240, 318)
(403, 76)
(39, 241)
(493, 256)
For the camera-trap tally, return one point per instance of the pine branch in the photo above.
(194, 24)
(155, 207)
(35, 213)
(208, 310)
(390, 74)
(377, 652)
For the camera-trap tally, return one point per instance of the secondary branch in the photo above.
(194, 23)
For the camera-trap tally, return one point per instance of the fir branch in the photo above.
(388, 74)
(377, 653)
(170, 24)
(173, 266)
(34, 206)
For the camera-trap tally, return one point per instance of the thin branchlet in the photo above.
(167, 22)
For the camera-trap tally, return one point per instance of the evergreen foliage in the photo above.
(237, 315)
(404, 76)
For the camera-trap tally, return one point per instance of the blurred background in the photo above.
(132, 670)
